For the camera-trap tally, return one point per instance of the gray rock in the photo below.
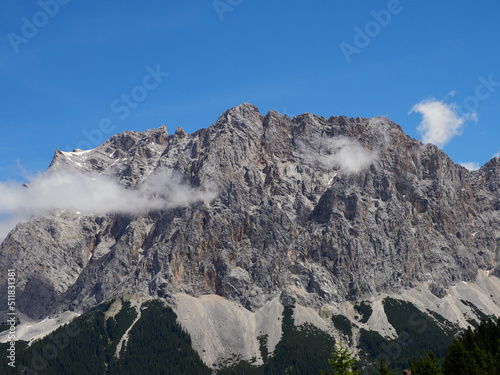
(309, 209)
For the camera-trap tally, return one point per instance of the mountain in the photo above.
(230, 224)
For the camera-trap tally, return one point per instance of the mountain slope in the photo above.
(308, 211)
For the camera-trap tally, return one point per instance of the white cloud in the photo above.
(381, 123)
(497, 155)
(93, 194)
(339, 152)
(7, 224)
(440, 122)
(471, 166)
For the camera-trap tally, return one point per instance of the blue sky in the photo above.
(68, 67)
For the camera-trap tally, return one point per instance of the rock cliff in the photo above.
(309, 210)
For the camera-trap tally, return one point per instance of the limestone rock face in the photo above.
(309, 209)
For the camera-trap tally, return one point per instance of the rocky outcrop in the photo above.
(308, 209)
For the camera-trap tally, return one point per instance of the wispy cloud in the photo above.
(340, 152)
(497, 155)
(471, 166)
(93, 194)
(381, 123)
(440, 122)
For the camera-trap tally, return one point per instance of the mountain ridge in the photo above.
(307, 211)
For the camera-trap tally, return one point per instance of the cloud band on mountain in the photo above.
(339, 152)
(93, 194)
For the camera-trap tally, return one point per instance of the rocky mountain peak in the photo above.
(244, 117)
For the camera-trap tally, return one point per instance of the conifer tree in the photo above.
(382, 368)
(343, 362)
(426, 366)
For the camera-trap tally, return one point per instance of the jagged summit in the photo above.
(245, 117)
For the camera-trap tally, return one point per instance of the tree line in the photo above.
(473, 352)
(157, 344)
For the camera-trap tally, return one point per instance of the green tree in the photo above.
(459, 361)
(382, 368)
(475, 352)
(343, 362)
(426, 366)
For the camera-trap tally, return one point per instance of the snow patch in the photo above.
(331, 179)
(77, 153)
